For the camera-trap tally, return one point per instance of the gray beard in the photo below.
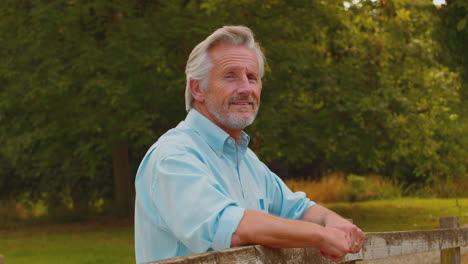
(228, 120)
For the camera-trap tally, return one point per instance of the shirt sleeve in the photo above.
(284, 202)
(195, 209)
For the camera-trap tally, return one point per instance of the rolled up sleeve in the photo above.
(230, 219)
(284, 202)
(193, 206)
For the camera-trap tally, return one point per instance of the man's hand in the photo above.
(350, 234)
(335, 245)
(341, 240)
(353, 234)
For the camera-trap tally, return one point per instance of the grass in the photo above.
(110, 240)
(381, 206)
(97, 241)
(401, 214)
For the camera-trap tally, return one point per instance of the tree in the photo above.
(87, 87)
(452, 34)
(357, 93)
(81, 82)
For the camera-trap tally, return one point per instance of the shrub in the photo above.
(336, 187)
(380, 188)
(450, 187)
(325, 190)
(356, 189)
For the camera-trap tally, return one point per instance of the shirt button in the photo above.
(230, 141)
(219, 153)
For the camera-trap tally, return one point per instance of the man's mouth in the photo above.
(242, 103)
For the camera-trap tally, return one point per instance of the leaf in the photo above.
(461, 24)
(403, 14)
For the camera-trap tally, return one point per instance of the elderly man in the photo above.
(200, 188)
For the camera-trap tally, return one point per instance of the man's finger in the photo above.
(357, 246)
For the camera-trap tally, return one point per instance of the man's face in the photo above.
(234, 86)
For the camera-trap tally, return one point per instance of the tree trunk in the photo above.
(123, 181)
(80, 198)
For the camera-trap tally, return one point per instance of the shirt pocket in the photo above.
(263, 205)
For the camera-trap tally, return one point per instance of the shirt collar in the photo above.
(211, 133)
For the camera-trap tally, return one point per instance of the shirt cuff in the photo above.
(306, 207)
(228, 222)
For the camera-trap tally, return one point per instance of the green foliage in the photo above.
(360, 90)
(352, 188)
(79, 77)
(359, 188)
(356, 188)
(363, 93)
(452, 33)
(443, 187)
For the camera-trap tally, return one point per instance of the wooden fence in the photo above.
(448, 240)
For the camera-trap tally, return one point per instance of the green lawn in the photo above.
(106, 240)
(98, 241)
(402, 214)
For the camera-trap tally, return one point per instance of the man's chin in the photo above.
(239, 123)
(234, 119)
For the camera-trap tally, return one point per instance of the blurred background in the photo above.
(362, 101)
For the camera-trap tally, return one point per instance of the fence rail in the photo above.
(378, 245)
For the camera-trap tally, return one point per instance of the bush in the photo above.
(352, 188)
(380, 188)
(356, 189)
(325, 190)
(441, 187)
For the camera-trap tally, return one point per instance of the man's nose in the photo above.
(244, 85)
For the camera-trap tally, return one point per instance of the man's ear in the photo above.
(197, 92)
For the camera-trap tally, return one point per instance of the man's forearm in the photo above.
(264, 229)
(268, 230)
(322, 216)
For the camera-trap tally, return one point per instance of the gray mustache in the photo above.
(243, 98)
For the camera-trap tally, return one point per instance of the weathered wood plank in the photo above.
(298, 255)
(208, 258)
(390, 244)
(240, 255)
(377, 245)
(246, 255)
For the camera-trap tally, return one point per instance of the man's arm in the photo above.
(323, 216)
(268, 230)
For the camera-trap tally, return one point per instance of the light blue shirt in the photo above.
(193, 186)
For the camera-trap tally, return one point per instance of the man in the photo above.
(200, 188)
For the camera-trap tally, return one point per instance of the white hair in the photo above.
(199, 64)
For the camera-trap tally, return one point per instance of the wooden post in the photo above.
(450, 255)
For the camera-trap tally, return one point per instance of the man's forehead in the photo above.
(233, 56)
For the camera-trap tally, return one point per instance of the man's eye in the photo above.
(252, 77)
(229, 76)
